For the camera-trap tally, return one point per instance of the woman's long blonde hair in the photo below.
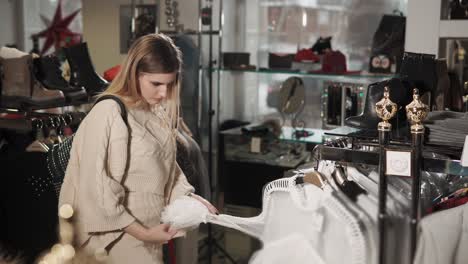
(153, 53)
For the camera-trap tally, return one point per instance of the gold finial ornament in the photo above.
(385, 109)
(416, 112)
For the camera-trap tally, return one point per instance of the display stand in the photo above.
(416, 112)
(385, 109)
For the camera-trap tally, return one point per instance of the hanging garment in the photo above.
(288, 208)
(190, 159)
(397, 230)
(363, 209)
(373, 189)
(293, 249)
(28, 205)
(443, 237)
(189, 92)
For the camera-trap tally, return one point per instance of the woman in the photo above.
(119, 178)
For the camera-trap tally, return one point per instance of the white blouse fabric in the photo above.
(333, 232)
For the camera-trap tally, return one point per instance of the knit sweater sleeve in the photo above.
(181, 186)
(109, 191)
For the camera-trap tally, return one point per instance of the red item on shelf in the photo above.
(306, 55)
(334, 62)
(110, 74)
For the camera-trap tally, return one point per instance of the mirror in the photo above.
(291, 96)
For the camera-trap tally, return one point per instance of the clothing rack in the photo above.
(376, 155)
(446, 166)
(31, 121)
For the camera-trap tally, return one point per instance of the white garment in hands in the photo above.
(185, 212)
(325, 224)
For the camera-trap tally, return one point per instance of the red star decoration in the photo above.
(58, 33)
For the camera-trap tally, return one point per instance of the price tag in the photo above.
(256, 145)
(464, 157)
(398, 163)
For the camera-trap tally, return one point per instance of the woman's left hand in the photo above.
(208, 205)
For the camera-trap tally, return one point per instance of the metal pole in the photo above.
(200, 72)
(416, 112)
(210, 100)
(218, 90)
(210, 126)
(385, 109)
(343, 104)
(415, 188)
(383, 141)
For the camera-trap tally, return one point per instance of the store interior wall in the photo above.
(422, 30)
(32, 22)
(101, 27)
(8, 25)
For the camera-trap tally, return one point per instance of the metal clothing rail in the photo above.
(344, 155)
(416, 112)
(30, 121)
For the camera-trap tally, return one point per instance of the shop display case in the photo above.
(258, 30)
(249, 162)
(265, 27)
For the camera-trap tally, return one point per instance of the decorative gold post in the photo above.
(385, 109)
(416, 112)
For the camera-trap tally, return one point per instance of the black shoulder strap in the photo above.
(123, 110)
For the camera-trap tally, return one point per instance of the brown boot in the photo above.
(19, 87)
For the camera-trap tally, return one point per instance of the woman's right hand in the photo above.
(159, 234)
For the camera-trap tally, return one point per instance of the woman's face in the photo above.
(154, 86)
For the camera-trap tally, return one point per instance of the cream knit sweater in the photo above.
(110, 162)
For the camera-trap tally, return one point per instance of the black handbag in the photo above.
(389, 42)
(59, 155)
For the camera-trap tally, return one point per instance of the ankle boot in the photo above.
(82, 70)
(49, 74)
(400, 93)
(20, 89)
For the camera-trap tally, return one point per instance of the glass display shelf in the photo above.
(324, 76)
(287, 151)
(316, 136)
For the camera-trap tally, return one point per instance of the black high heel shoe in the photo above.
(400, 93)
(419, 70)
